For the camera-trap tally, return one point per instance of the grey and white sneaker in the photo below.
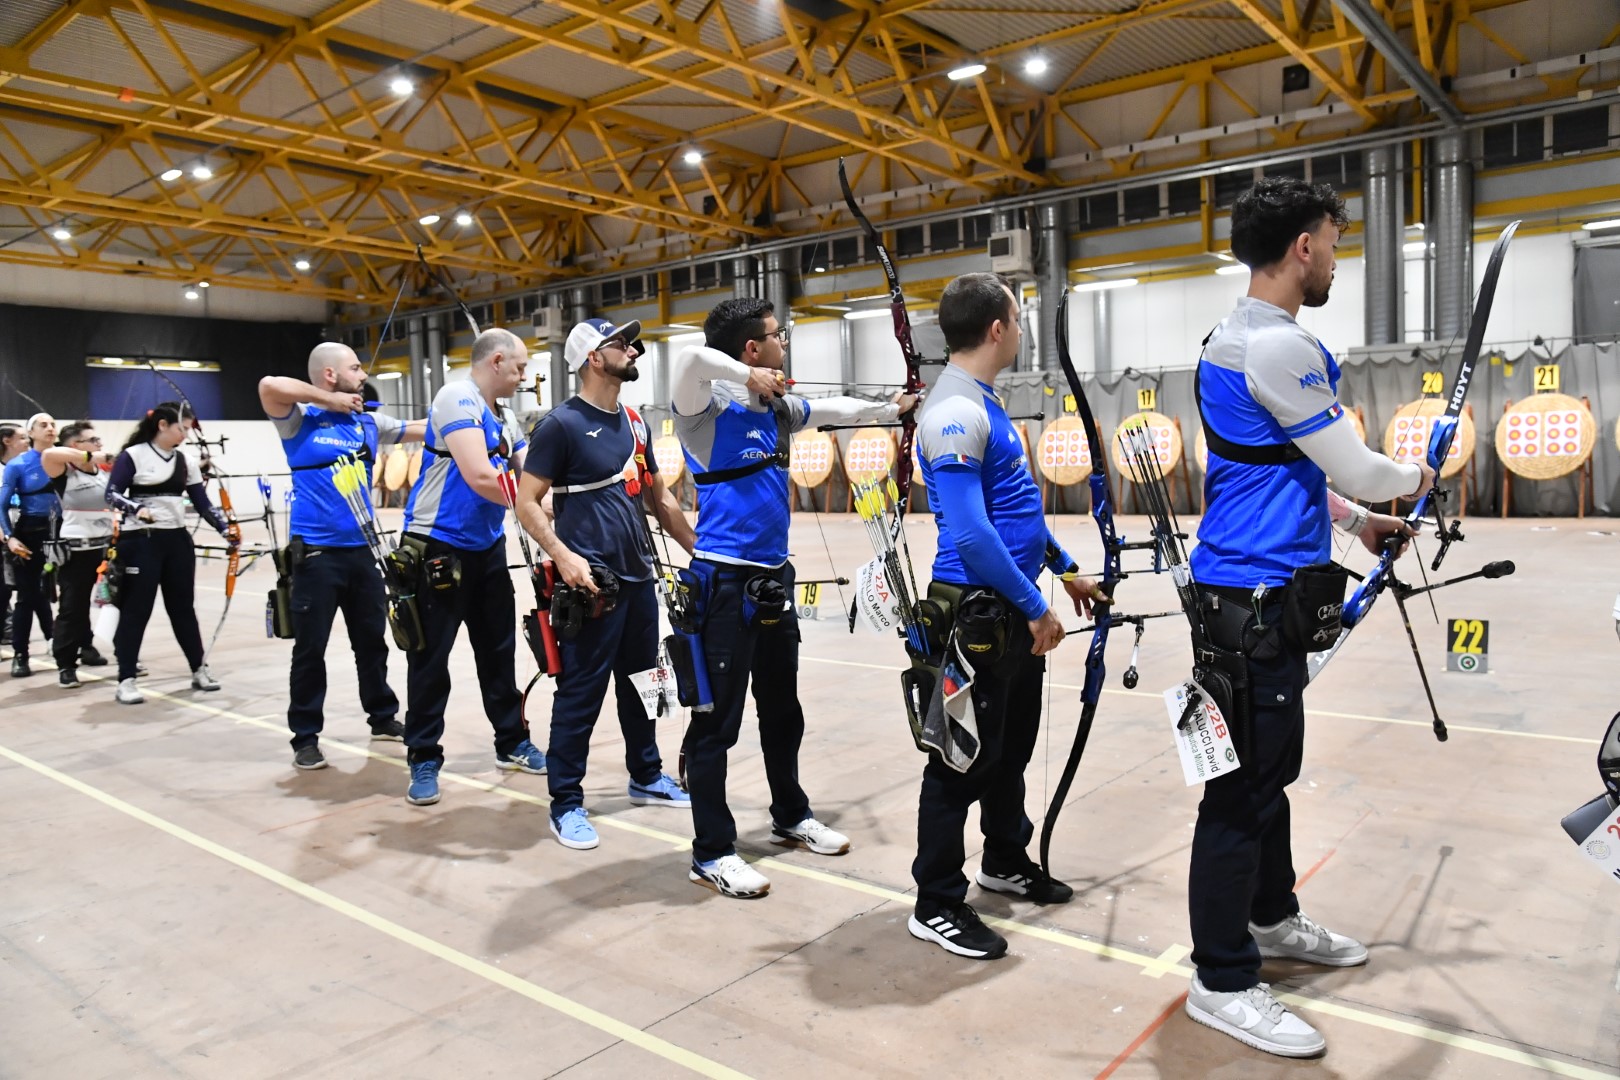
(730, 876)
(128, 693)
(309, 758)
(811, 834)
(1254, 1017)
(1300, 937)
(203, 679)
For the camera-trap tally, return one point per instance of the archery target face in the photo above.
(1064, 448)
(811, 456)
(869, 454)
(1411, 440)
(1550, 434)
(671, 463)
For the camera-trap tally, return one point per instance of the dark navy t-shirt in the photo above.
(577, 444)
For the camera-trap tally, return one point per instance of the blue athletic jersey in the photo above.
(442, 506)
(963, 425)
(744, 521)
(25, 487)
(1264, 380)
(577, 445)
(313, 438)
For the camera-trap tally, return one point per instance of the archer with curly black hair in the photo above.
(1268, 399)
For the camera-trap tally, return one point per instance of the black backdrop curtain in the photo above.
(43, 349)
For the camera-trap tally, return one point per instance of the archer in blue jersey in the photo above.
(455, 523)
(735, 424)
(1276, 430)
(26, 487)
(993, 544)
(321, 422)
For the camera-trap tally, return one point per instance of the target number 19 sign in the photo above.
(1468, 646)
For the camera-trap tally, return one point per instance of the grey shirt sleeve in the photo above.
(956, 427)
(1287, 373)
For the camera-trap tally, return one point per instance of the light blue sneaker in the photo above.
(527, 757)
(663, 791)
(424, 790)
(573, 830)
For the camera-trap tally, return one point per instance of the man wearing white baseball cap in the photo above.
(590, 454)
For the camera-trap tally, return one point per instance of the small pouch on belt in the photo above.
(1314, 604)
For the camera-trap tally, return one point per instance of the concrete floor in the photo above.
(175, 899)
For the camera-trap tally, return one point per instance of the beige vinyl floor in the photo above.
(177, 900)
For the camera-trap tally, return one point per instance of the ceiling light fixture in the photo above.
(428, 219)
(189, 364)
(1229, 271)
(301, 264)
(1414, 247)
(400, 85)
(201, 172)
(359, 296)
(202, 284)
(1606, 223)
(818, 269)
(1104, 286)
(871, 314)
(388, 376)
(692, 157)
(115, 361)
(61, 233)
(1035, 65)
(966, 71)
(192, 294)
(169, 176)
(463, 218)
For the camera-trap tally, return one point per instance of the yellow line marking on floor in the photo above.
(1167, 962)
(1157, 966)
(618, 1029)
(1578, 739)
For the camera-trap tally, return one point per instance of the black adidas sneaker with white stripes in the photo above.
(1028, 882)
(956, 928)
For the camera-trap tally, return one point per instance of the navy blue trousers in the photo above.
(484, 601)
(617, 645)
(1242, 854)
(327, 581)
(736, 654)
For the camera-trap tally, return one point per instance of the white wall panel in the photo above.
(116, 292)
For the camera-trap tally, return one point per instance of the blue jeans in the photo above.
(617, 645)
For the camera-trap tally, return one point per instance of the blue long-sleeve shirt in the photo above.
(25, 486)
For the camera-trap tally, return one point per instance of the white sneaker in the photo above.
(730, 876)
(1300, 937)
(203, 679)
(1254, 1017)
(128, 693)
(811, 834)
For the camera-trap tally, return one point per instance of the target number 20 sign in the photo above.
(1468, 646)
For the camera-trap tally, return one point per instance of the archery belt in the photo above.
(278, 601)
(537, 628)
(1313, 605)
(686, 596)
(402, 576)
(571, 606)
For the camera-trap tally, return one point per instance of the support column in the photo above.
(418, 376)
(745, 277)
(1102, 332)
(1052, 278)
(557, 376)
(779, 291)
(579, 309)
(1452, 227)
(434, 359)
(846, 353)
(1381, 211)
